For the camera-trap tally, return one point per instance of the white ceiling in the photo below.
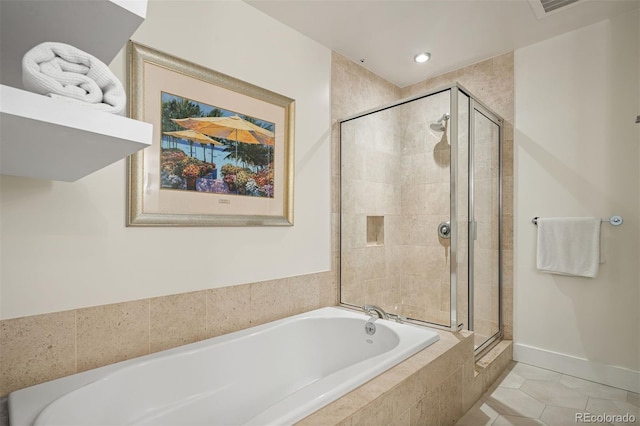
(387, 34)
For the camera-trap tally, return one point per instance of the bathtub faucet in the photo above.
(370, 309)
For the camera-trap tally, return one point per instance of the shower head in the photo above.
(441, 124)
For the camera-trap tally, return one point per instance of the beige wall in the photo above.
(64, 245)
(577, 151)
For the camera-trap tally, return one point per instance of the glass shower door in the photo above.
(484, 213)
(420, 212)
(395, 171)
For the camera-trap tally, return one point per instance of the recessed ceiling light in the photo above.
(422, 57)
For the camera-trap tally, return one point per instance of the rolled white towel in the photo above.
(67, 73)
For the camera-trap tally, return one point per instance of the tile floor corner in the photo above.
(527, 395)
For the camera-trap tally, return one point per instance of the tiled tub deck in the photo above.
(435, 387)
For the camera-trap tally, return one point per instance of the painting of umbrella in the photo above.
(233, 127)
(236, 129)
(222, 151)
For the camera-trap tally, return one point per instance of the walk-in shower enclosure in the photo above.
(420, 211)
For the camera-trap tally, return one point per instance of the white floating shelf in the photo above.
(50, 139)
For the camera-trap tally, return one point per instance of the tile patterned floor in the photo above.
(526, 395)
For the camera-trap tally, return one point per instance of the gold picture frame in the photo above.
(222, 151)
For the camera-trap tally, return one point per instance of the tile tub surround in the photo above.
(528, 395)
(40, 348)
(434, 387)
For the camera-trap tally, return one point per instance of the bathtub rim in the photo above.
(24, 405)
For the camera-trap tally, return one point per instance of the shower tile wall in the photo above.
(371, 188)
(368, 269)
(353, 90)
(492, 82)
(424, 183)
(390, 170)
(396, 168)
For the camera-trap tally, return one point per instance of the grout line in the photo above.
(75, 339)
(542, 412)
(206, 314)
(148, 326)
(251, 316)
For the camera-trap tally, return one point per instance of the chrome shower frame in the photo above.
(474, 105)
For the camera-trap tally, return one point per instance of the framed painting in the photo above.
(222, 151)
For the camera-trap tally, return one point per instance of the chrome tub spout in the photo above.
(370, 309)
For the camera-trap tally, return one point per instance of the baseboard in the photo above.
(579, 367)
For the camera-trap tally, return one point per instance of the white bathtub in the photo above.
(272, 374)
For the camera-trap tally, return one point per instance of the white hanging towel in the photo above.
(569, 246)
(67, 73)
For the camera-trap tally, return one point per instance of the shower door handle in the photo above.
(444, 230)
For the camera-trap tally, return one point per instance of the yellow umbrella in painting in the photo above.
(195, 137)
(232, 128)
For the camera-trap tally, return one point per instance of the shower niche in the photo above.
(420, 211)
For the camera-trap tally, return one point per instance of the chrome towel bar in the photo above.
(614, 220)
